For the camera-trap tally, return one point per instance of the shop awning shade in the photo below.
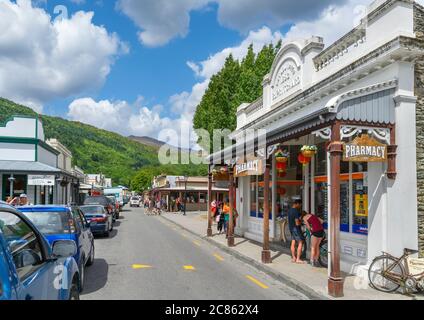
(26, 167)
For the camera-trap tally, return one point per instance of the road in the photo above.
(147, 257)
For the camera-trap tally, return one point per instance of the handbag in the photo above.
(218, 217)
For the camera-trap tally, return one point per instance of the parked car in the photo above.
(101, 222)
(135, 201)
(116, 204)
(103, 201)
(65, 223)
(29, 265)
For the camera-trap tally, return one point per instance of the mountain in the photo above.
(147, 141)
(95, 150)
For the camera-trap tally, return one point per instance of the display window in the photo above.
(257, 199)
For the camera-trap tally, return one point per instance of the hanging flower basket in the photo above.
(282, 174)
(223, 170)
(282, 156)
(281, 191)
(309, 151)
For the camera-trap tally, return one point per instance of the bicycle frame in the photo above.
(402, 261)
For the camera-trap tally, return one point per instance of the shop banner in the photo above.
(364, 149)
(41, 180)
(252, 167)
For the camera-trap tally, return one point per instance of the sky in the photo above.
(140, 67)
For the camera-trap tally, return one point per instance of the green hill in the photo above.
(95, 150)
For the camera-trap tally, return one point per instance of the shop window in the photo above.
(360, 207)
(19, 185)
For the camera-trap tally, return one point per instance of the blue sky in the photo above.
(141, 66)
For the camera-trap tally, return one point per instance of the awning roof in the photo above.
(26, 166)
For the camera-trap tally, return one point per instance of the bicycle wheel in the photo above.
(323, 254)
(385, 282)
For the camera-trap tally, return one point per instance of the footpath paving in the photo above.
(309, 281)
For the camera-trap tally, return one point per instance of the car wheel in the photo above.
(82, 276)
(92, 253)
(74, 293)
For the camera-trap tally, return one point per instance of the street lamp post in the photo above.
(185, 194)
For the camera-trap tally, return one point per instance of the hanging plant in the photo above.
(303, 160)
(223, 170)
(215, 172)
(282, 156)
(309, 151)
(282, 174)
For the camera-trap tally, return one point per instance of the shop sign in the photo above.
(41, 180)
(252, 167)
(364, 149)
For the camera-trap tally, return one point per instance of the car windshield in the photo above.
(92, 210)
(50, 222)
(97, 200)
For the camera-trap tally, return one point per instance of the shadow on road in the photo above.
(112, 235)
(96, 276)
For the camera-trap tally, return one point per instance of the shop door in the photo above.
(19, 185)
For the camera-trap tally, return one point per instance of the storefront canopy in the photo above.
(26, 167)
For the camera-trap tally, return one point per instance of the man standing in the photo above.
(23, 200)
(294, 218)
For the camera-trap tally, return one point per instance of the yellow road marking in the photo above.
(190, 268)
(218, 257)
(141, 266)
(257, 282)
(197, 243)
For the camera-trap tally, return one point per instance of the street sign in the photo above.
(364, 149)
(41, 180)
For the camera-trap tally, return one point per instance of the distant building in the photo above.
(169, 188)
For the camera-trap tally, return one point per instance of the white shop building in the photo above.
(357, 92)
(30, 165)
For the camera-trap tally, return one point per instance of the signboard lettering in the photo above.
(364, 149)
(41, 180)
(253, 167)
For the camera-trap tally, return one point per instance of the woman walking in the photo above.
(316, 228)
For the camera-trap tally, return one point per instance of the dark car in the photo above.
(31, 269)
(101, 222)
(65, 223)
(103, 201)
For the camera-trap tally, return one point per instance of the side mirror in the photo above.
(64, 249)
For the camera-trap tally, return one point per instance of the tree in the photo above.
(236, 83)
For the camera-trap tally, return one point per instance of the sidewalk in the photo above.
(310, 281)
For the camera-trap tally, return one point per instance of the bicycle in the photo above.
(388, 273)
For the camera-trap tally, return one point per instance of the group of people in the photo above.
(296, 218)
(221, 214)
(22, 200)
(153, 206)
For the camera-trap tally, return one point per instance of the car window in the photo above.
(82, 217)
(92, 210)
(50, 222)
(22, 243)
(78, 220)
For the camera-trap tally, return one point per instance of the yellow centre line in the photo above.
(218, 257)
(141, 266)
(257, 282)
(189, 268)
(197, 243)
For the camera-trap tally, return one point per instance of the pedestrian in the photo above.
(214, 209)
(226, 213)
(220, 218)
(23, 200)
(295, 223)
(316, 228)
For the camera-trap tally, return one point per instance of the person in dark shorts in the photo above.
(316, 228)
(295, 223)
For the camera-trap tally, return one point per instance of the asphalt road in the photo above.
(147, 257)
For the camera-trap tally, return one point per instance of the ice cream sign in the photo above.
(364, 149)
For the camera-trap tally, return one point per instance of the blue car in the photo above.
(30, 269)
(101, 222)
(65, 223)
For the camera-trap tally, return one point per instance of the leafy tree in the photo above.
(236, 83)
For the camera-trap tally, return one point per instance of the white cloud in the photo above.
(160, 20)
(103, 114)
(42, 60)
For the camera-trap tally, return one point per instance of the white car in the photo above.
(135, 202)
